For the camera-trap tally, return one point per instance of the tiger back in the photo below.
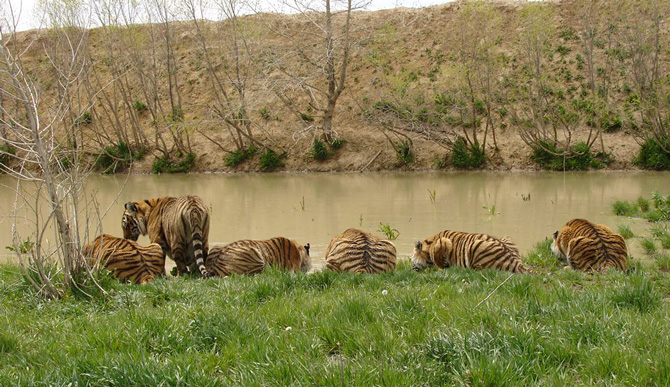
(179, 224)
(253, 256)
(125, 259)
(586, 246)
(357, 251)
(469, 250)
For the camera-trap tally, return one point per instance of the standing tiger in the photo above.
(251, 257)
(127, 260)
(476, 251)
(585, 246)
(357, 251)
(179, 224)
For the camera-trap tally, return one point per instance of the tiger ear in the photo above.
(555, 234)
(418, 245)
(130, 207)
(307, 248)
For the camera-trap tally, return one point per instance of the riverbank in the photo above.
(402, 328)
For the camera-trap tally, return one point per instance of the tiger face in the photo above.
(421, 258)
(132, 222)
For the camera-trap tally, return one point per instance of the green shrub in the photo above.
(548, 156)
(239, 156)
(663, 262)
(625, 231)
(181, 164)
(306, 117)
(319, 150)
(114, 158)
(84, 119)
(140, 106)
(467, 156)
(665, 241)
(270, 160)
(264, 113)
(648, 246)
(643, 204)
(623, 208)
(652, 155)
(404, 153)
(177, 115)
(337, 143)
(7, 152)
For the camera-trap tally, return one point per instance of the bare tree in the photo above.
(225, 51)
(50, 181)
(320, 75)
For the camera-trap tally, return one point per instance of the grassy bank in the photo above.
(402, 328)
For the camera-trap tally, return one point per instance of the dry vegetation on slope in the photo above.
(502, 80)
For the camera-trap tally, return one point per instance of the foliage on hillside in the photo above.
(572, 79)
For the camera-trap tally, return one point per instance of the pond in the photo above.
(314, 207)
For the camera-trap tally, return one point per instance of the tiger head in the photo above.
(556, 247)
(431, 252)
(133, 222)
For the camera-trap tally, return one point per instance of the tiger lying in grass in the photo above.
(357, 251)
(253, 256)
(476, 251)
(127, 260)
(585, 246)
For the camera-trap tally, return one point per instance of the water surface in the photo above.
(315, 207)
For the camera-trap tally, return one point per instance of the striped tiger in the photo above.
(585, 246)
(253, 256)
(476, 251)
(127, 260)
(179, 224)
(357, 251)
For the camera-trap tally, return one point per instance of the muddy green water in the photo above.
(315, 207)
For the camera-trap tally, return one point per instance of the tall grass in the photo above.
(398, 328)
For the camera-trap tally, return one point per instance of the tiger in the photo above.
(358, 251)
(180, 225)
(476, 251)
(585, 246)
(253, 256)
(127, 260)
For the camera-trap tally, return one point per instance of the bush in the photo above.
(177, 115)
(140, 106)
(270, 160)
(625, 231)
(404, 153)
(467, 156)
(548, 156)
(182, 163)
(84, 119)
(264, 113)
(114, 158)
(6, 154)
(652, 155)
(623, 208)
(306, 117)
(337, 143)
(319, 150)
(239, 156)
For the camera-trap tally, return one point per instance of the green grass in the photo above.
(564, 328)
(648, 246)
(625, 231)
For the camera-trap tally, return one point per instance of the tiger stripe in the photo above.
(470, 250)
(357, 251)
(253, 256)
(586, 246)
(125, 259)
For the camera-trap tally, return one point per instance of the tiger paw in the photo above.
(205, 274)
